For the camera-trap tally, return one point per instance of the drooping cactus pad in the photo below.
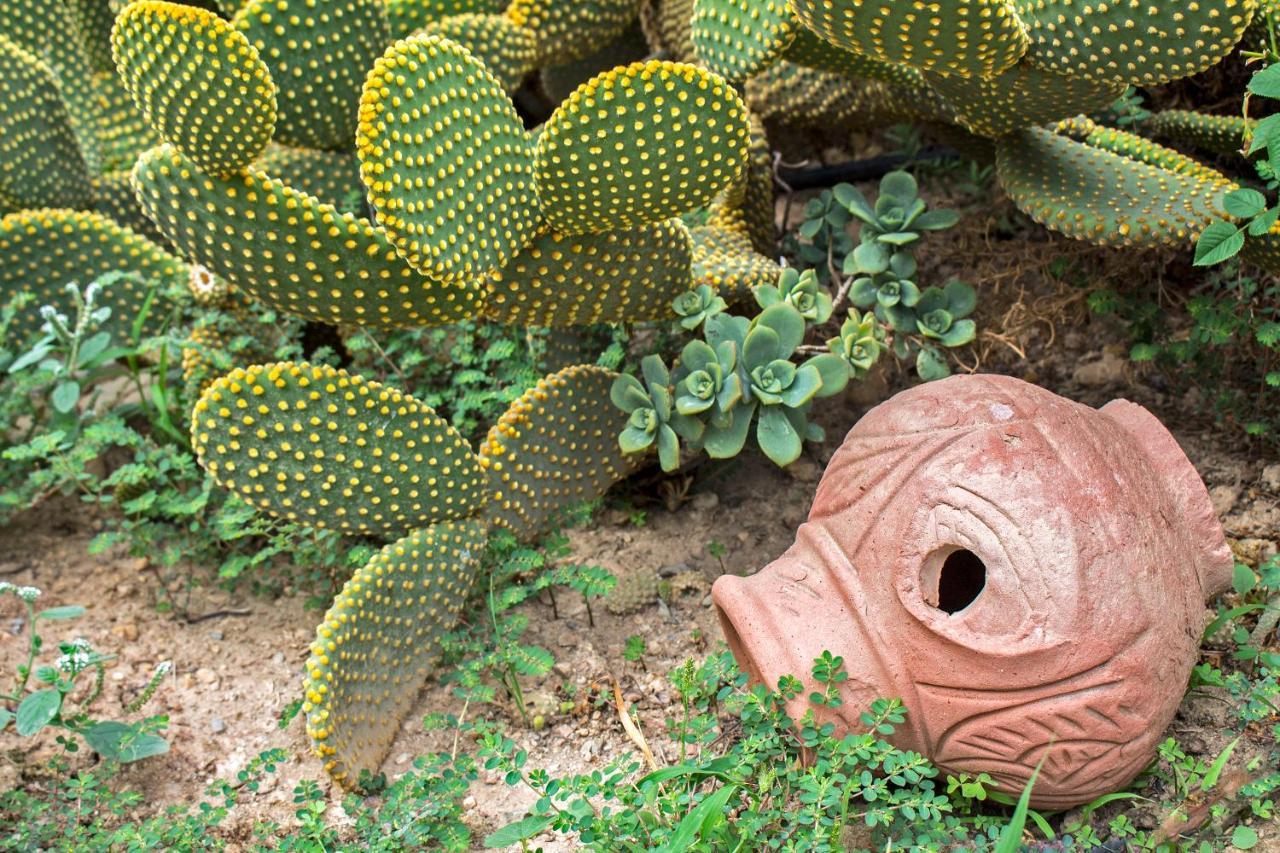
(969, 38)
(639, 144)
(725, 260)
(508, 51)
(445, 157)
(622, 276)
(44, 250)
(1096, 195)
(569, 29)
(314, 444)
(1142, 44)
(40, 161)
(738, 38)
(1223, 135)
(379, 641)
(1023, 96)
(1136, 147)
(200, 83)
(318, 53)
(556, 446)
(290, 251)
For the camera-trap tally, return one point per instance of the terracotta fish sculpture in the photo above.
(1026, 573)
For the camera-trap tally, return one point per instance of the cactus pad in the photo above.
(1224, 135)
(317, 445)
(448, 165)
(290, 251)
(634, 591)
(122, 130)
(724, 259)
(668, 25)
(406, 17)
(508, 51)
(618, 276)
(200, 83)
(318, 53)
(801, 96)
(1135, 147)
(1142, 44)
(738, 38)
(556, 446)
(559, 81)
(1105, 198)
(44, 250)
(40, 161)
(114, 196)
(379, 641)
(747, 205)
(331, 177)
(639, 144)
(570, 29)
(1023, 96)
(968, 38)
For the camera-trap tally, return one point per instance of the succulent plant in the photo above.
(693, 307)
(942, 314)
(653, 420)
(800, 290)
(860, 342)
(707, 382)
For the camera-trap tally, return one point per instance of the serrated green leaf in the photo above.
(36, 710)
(1219, 242)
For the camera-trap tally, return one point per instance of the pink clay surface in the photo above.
(1026, 573)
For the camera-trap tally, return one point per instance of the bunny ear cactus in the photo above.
(739, 38)
(1022, 96)
(674, 136)
(452, 208)
(40, 160)
(379, 641)
(315, 444)
(624, 275)
(406, 17)
(967, 38)
(569, 29)
(725, 261)
(509, 51)
(1109, 198)
(1222, 135)
(1145, 45)
(330, 177)
(201, 84)
(317, 54)
(291, 251)
(43, 250)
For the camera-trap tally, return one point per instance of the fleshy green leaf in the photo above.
(777, 438)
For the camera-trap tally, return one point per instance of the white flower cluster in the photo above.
(77, 657)
(27, 593)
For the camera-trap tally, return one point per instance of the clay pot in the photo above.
(1026, 573)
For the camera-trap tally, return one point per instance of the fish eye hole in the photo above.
(960, 580)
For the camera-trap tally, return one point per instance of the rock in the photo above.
(124, 590)
(216, 636)
(127, 631)
(1108, 370)
(804, 470)
(468, 802)
(705, 501)
(403, 758)
(277, 658)
(218, 726)
(206, 676)
(1271, 477)
(137, 564)
(1224, 498)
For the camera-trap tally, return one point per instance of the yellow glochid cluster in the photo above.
(739, 38)
(200, 83)
(507, 50)
(625, 275)
(639, 144)
(379, 641)
(316, 444)
(446, 160)
(725, 260)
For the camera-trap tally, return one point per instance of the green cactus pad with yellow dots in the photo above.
(809, 50)
(44, 250)
(317, 445)
(737, 39)
(291, 251)
(1023, 96)
(331, 177)
(40, 160)
(569, 29)
(1224, 135)
(200, 83)
(318, 53)
(967, 38)
(508, 51)
(801, 96)
(379, 641)
(1093, 194)
(114, 196)
(639, 144)
(122, 129)
(668, 25)
(725, 260)
(1136, 147)
(406, 17)
(446, 160)
(747, 205)
(1140, 44)
(555, 447)
(621, 276)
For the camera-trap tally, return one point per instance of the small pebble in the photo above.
(205, 675)
(218, 726)
(706, 602)
(216, 636)
(277, 658)
(468, 802)
(705, 501)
